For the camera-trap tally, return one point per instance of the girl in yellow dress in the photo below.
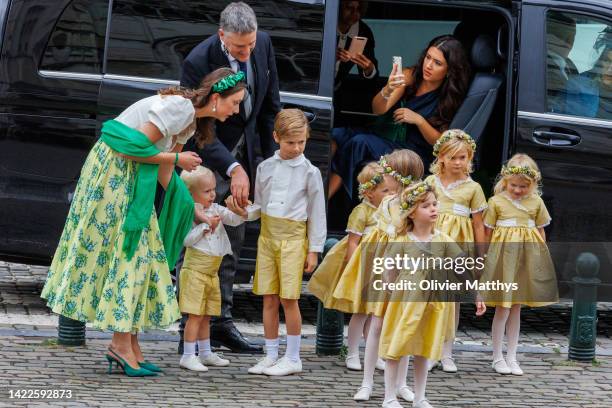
(374, 185)
(461, 203)
(417, 322)
(403, 166)
(517, 256)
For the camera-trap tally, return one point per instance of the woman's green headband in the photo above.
(228, 82)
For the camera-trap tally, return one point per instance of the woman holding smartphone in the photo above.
(415, 106)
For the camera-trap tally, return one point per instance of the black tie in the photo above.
(243, 67)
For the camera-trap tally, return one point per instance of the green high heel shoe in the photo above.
(127, 369)
(147, 365)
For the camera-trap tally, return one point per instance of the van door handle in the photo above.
(557, 139)
(310, 116)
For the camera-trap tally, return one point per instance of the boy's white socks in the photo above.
(204, 349)
(272, 348)
(293, 348)
(189, 348)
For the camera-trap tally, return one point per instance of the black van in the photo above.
(68, 65)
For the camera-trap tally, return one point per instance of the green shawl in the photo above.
(178, 210)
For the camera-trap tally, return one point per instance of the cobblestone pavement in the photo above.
(22, 311)
(35, 363)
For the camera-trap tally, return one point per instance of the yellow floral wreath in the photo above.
(418, 190)
(363, 187)
(453, 134)
(520, 170)
(404, 181)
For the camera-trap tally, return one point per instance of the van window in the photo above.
(579, 65)
(151, 39)
(76, 44)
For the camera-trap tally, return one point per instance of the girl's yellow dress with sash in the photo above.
(353, 288)
(325, 279)
(418, 322)
(457, 202)
(518, 254)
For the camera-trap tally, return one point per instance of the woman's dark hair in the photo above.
(205, 127)
(455, 85)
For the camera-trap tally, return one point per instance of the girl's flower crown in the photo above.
(363, 187)
(404, 181)
(228, 82)
(418, 190)
(520, 170)
(453, 134)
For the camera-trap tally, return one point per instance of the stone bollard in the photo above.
(583, 330)
(330, 323)
(70, 332)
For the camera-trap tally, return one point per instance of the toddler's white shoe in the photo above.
(363, 393)
(261, 365)
(191, 362)
(501, 367)
(214, 360)
(431, 364)
(353, 363)
(406, 393)
(422, 404)
(391, 404)
(380, 364)
(515, 368)
(448, 365)
(284, 366)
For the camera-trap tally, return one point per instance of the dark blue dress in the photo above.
(358, 147)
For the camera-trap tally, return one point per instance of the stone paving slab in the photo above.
(28, 363)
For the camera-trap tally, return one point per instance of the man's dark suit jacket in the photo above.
(209, 56)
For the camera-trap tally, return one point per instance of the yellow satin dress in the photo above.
(518, 254)
(417, 322)
(456, 203)
(353, 288)
(325, 279)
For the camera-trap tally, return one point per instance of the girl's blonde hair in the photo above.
(448, 145)
(369, 177)
(519, 165)
(194, 178)
(410, 199)
(406, 162)
(291, 122)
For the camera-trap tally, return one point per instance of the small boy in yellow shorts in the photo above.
(206, 243)
(290, 192)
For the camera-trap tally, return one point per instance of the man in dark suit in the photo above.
(242, 140)
(350, 25)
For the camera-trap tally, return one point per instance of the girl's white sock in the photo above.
(371, 351)
(402, 371)
(189, 348)
(420, 377)
(447, 348)
(355, 331)
(293, 347)
(513, 331)
(391, 379)
(497, 331)
(204, 348)
(272, 349)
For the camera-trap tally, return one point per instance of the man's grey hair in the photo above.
(238, 17)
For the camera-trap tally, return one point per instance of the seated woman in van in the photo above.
(414, 108)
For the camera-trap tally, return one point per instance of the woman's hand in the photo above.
(342, 55)
(311, 262)
(188, 161)
(405, 115)
(396, 80)
(364, 63)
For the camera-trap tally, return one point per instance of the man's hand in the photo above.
(312, 259)
(240, 186)
(232, 205)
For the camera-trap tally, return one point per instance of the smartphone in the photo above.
(357, 45)
(398, 61)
